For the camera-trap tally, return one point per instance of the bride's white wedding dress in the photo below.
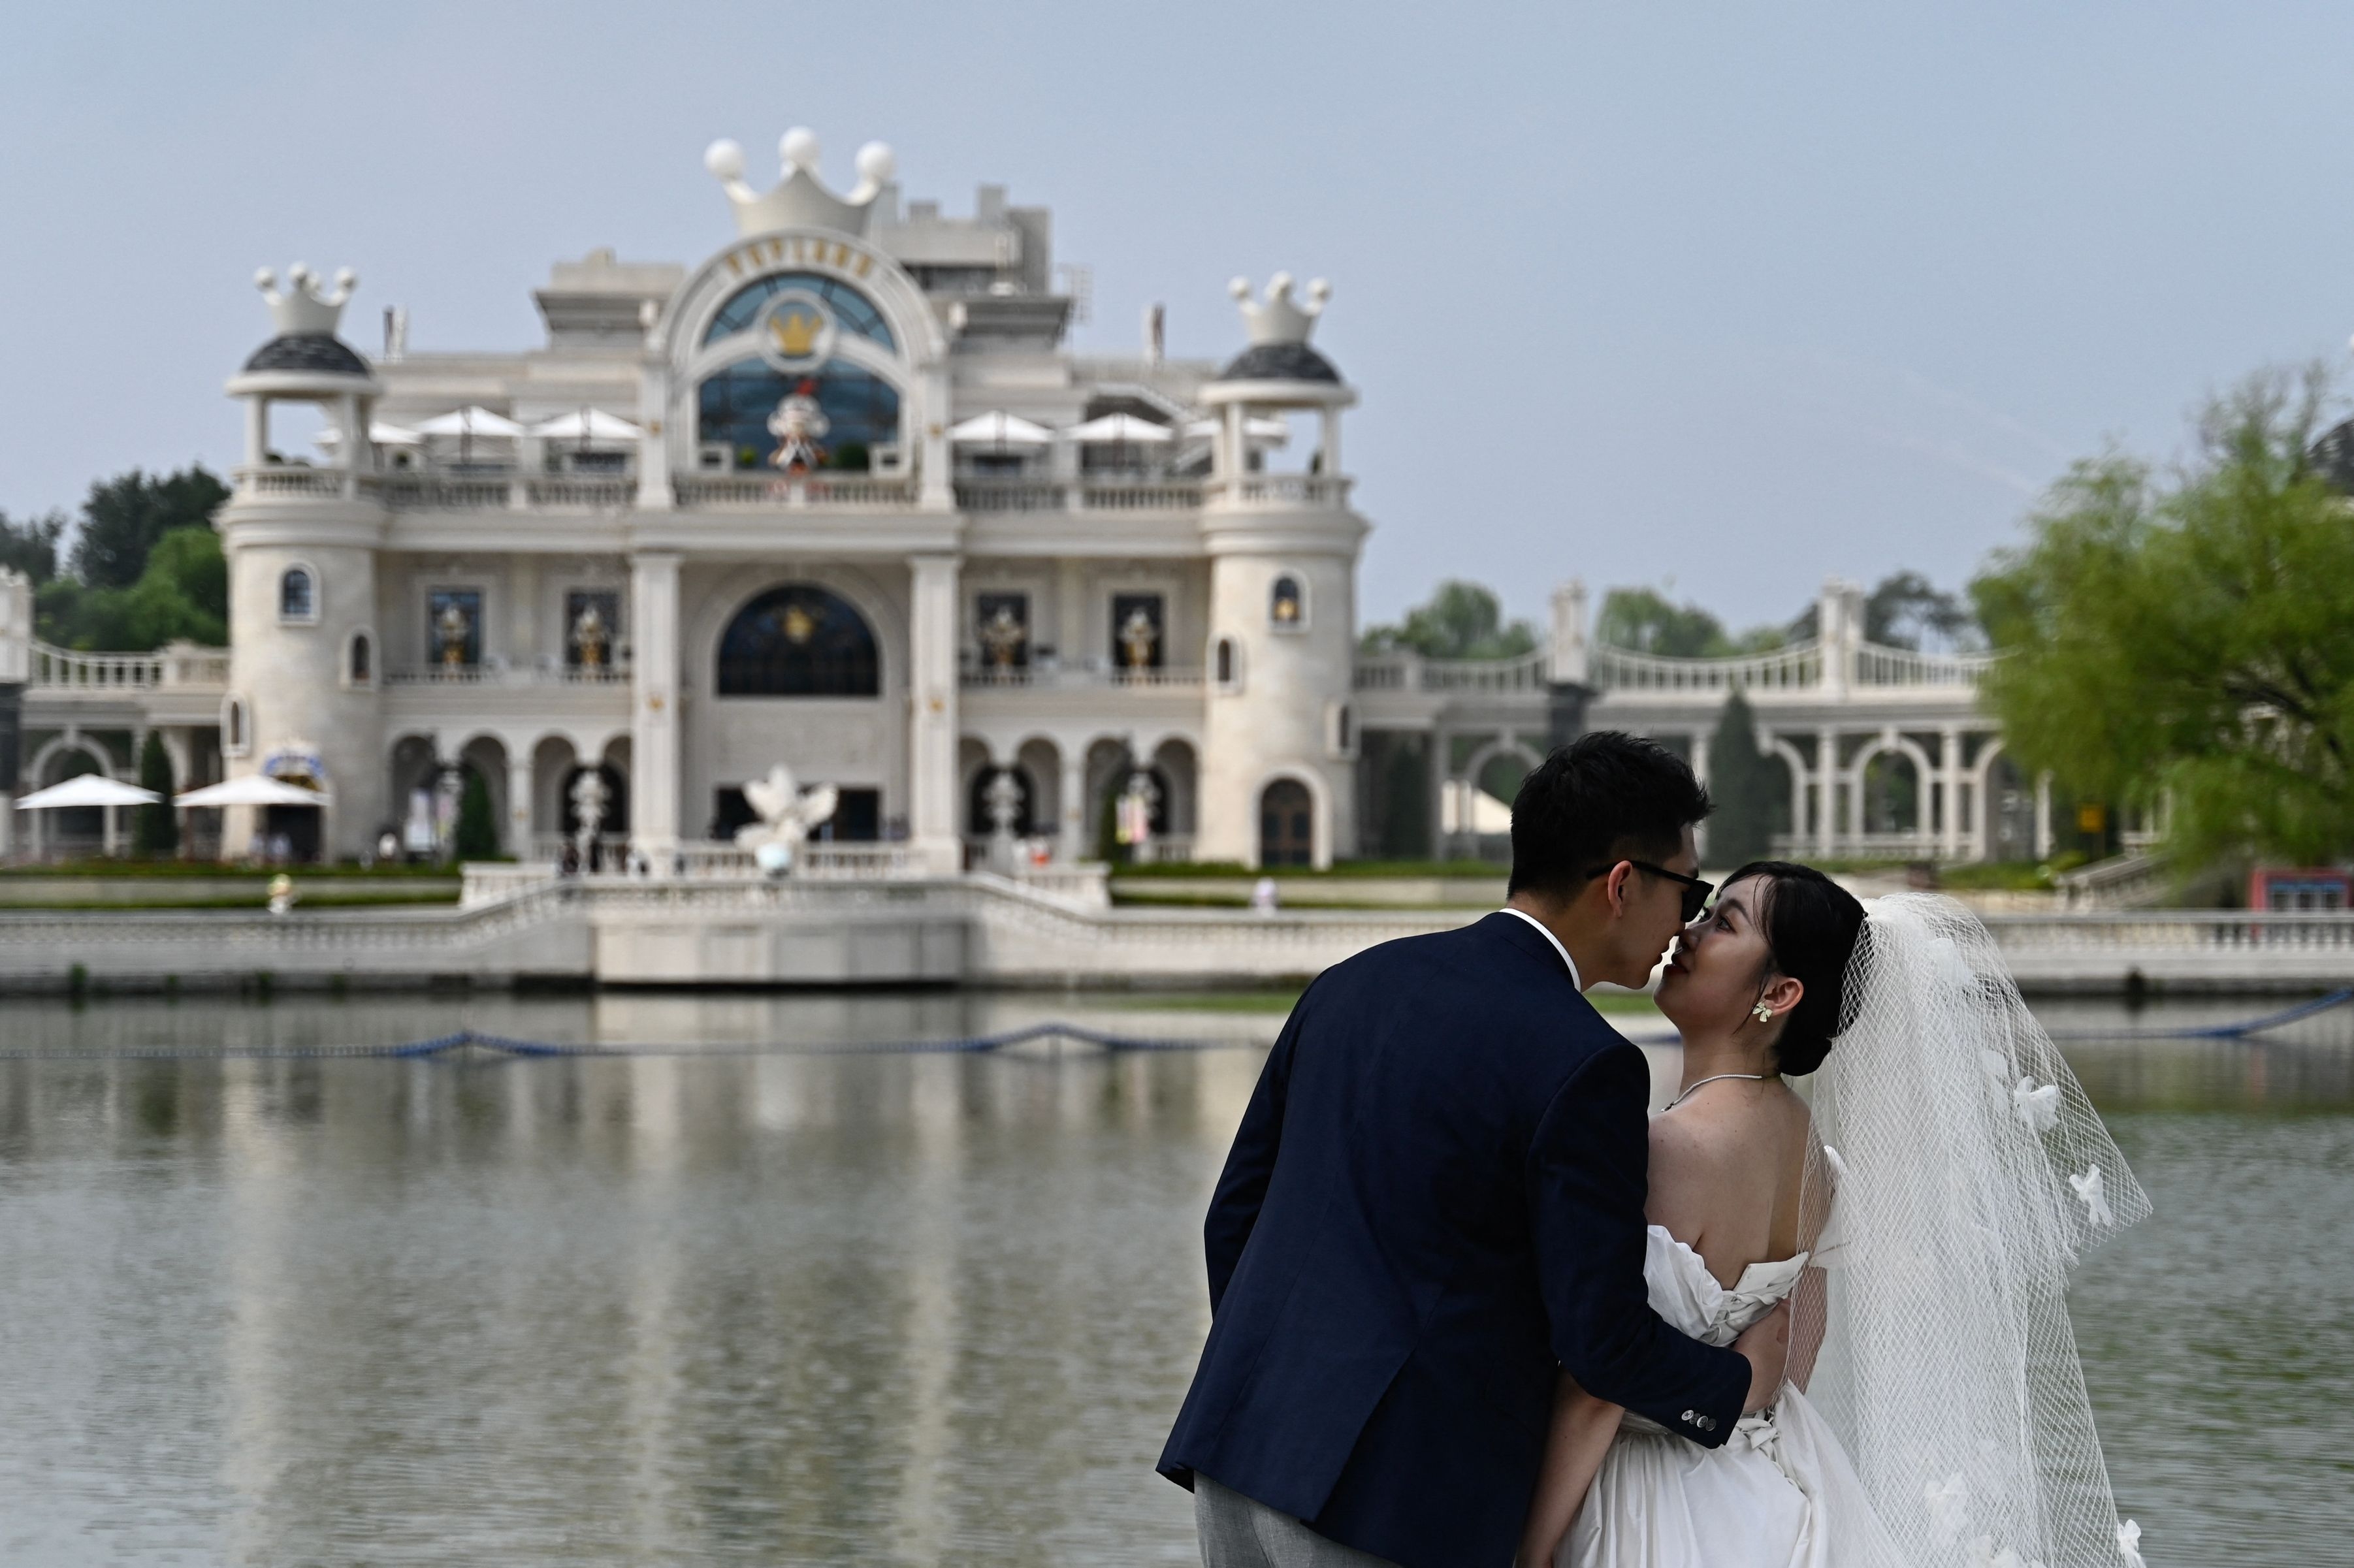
(1765, 1498)
(1960, 1173)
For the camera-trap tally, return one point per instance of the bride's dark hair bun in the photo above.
(1812, 926)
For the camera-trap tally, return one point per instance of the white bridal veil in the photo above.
(1965, 1172)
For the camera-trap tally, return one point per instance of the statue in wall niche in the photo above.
(1002, 636)
(789, 814)
(591, 795)
(590, 635)
(1137, 638)
(450, 630)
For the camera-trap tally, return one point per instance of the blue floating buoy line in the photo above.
(2239, 1031)
(475, 1043)
(472, 1043)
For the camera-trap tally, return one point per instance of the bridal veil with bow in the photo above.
(1961, 1173)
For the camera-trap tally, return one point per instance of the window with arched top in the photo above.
(1287, 606)
(298, 595)
(798, 641)
(854, 310)
(1224, 660)
(360, 660)
(235, 729)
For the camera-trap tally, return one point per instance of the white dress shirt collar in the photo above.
(1575, 979)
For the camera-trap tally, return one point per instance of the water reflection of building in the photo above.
(843, 495)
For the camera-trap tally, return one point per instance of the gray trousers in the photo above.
(1239, 1532)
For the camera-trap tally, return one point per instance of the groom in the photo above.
(1436, 1197)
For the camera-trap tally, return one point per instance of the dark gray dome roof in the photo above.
(2333, 458)
(1280, 362)
(313, 353)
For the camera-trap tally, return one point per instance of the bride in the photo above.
(1919, 1217)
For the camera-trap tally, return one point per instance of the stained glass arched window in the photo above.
(798, 641)
(854, 312)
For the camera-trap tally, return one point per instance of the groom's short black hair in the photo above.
(1604, 798)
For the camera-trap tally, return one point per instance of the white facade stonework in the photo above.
(902, 617)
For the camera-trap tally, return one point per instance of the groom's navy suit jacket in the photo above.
(1435, 1197)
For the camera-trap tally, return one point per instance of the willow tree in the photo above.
(2190, 637)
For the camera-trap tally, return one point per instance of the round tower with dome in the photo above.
(302, 545)
(1280, 765)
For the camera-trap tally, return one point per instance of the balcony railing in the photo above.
(761, 492)
(1287, 489)
(1797, 668)
(1412, 672)
(1098, 493)
(1784, 669)
(175, 664)
(508, 675)
(1069, 678)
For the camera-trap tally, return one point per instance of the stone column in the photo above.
(1949, 766)
(1074, 803)
(1827, 787)
(356, 443)
(654, 725)
(1439, 745)
(932, 717)
(1700, 741)
(519, 793)
(257, 430)
(1070, 615)
(654, 492)
(522, 614)
(2043, 816)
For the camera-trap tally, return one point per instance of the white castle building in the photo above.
(841, 497)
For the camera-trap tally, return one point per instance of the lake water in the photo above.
(806, 1305)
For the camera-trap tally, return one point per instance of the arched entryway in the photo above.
(1287, 824)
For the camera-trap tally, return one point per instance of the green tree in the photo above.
(2192, 638)
(183, 593)
(477, 835)
(125, 516)
(155, 832)
(1905, 611)
(31, 546)
(1461, 620)
(1751, 789)
(1642, 620)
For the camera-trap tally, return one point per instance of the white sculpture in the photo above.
(788, 814)
(1001, 798)
(589, 796)
(799, 424)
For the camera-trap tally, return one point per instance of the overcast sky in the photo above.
(1732, 295)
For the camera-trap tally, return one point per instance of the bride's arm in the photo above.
(1582, 1426)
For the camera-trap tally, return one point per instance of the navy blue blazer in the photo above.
(1435, 1199)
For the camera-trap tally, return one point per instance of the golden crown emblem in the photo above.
(796, 333)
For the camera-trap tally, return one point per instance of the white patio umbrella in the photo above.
(1118, 430)
(1258, 431)
(379, 432)
(589, 426)
(466, 424)
(253, 790)
(998, 428)
(86, 790)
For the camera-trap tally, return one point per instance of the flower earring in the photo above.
(1764, 1014)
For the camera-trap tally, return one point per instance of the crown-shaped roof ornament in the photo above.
(301, 310)
(1279, 320)
(800, 200)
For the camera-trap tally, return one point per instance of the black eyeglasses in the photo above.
(1695, 891)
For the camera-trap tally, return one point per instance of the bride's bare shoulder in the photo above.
(1718, 1164)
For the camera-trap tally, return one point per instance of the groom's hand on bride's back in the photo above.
(1766, 1343)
